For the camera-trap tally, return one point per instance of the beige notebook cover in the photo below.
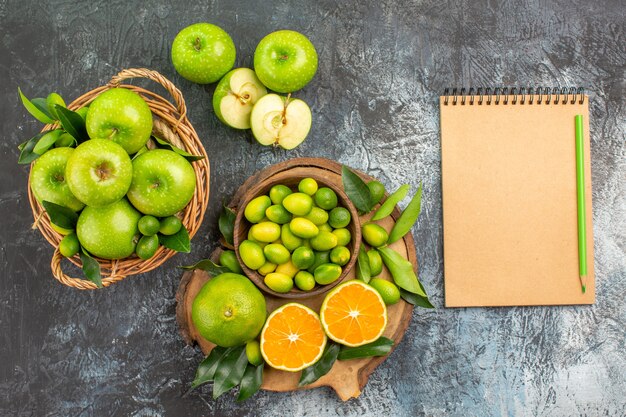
(509, 201)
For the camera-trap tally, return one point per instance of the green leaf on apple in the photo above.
(356, 189)
(166, 145)
(179, 241)
(209, 266)
(38, 107)
(91, 268)
(61, 216)
(226, 224)
(26, 150)
(72, 122)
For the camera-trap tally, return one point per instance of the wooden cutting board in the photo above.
(348, 377)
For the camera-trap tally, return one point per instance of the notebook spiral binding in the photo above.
(513, 95)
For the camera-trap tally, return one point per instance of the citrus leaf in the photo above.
(38, 107)
(226, 224)
(407, 218)
(72, 122)
(230, 370)
(251, 382)
(357, 191)
(163, 144)
(401, 270)
(206, 369)
(61, 216)
(179, 241)
(388, 205)
(26, 150)
(46, 141)
(321, 367)
(91, 268)
(415, 299)
(363, 270)
(379, 347)
(207, 265)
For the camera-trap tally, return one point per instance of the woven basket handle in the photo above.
(156, 77)
(82, 284)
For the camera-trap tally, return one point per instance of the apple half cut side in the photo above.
(235, 95)
(280, 121)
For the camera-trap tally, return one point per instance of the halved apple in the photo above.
(235, 95)
(280, 121)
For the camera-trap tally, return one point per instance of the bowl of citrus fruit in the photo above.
(296, 234)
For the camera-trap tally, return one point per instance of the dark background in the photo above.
(382, 66)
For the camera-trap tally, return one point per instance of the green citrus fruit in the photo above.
(266, 268)
(251, 254)
(255, 210)
(376, 262)
(149, 225)
(318, 216)
(278, 214)
(69, 245)
(61, 230)
(170, 225)
(308, 186)
(303, 257)
(343, 236)
(290, 241)
(276, 253)
(278, 282)
(324, 241)
(387, 290)
(147, 246)
(326, 198)
(340, 255)
(299, 204)
(229, 260)
(305, 281)
(303, 228)
(278, 193)
(265, 232)
(377, 191)
(229, 310)
(374, 234)
(320, 259)
(327, 273)
(288, 268)
(253, 352)
(339, 217)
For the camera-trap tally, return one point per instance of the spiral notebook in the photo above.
(509, 197)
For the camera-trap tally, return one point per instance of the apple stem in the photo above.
(198, 45)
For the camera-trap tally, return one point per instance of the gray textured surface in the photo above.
(382, 66)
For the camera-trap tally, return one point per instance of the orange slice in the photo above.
(354, 314)
(292, 338)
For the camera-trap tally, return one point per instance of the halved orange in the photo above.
(354, 314)
(292, 338)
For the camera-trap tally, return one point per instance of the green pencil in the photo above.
(580, 191)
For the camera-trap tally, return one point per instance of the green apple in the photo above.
(280, 121)
(235, 95)
(48, 181)
(109, 232)
(202, 53)
(122, 116)
(285, 61)
(163, 183)
(99, 172)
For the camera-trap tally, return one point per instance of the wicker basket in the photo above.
(171, 124)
